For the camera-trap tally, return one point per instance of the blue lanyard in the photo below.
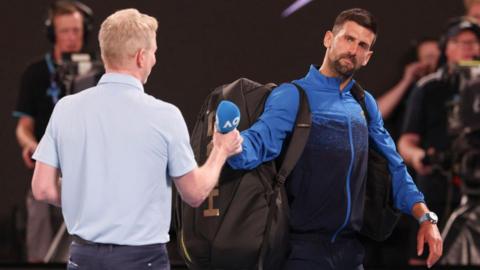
(53, 90)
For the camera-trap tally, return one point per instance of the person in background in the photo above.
(425, 124)
(67, 29)
(472, 9)
(393, 102)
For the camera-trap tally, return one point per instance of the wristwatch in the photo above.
(429, 216)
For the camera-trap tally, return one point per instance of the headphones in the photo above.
(86, 12)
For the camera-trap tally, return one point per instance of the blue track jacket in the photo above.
(326, 187)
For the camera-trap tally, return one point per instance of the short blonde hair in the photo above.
(123, 33)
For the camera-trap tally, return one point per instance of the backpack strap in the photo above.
(359, 95)
(299, 137)
(295, 148)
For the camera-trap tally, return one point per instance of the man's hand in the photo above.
(195, 185)
(230, 143)
(416, 159)
(428, 233)
(26, 139)
(414, 71)
(27, 153)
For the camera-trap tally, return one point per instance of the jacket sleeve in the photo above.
(405, 192)
(263, 141)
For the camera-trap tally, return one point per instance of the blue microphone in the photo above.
(227, 116)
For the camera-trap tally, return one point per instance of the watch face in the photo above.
(432, 217)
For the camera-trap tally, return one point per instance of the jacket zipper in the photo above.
(347, 215)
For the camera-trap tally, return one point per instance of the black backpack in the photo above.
(243, 224)
(379, 216)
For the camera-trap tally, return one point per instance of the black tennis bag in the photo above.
(379, 215)
(243, 224)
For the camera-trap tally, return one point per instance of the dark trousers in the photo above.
(109, 257)
(322, 254)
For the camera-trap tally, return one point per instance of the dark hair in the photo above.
(411, 55)
(62, 7)
(357, 15)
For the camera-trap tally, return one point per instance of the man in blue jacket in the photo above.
(326, 189)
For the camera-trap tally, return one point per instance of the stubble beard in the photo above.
(342, 70)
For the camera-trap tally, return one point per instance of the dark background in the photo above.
(202, 44)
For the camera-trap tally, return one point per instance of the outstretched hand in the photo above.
(428, 233)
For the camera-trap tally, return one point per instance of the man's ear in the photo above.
(367, 58)
(327, 39)
(140, 58)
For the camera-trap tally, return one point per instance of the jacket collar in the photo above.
(331, 83)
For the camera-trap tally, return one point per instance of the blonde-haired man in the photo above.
(117, 150)
(117, 48)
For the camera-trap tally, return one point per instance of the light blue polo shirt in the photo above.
(116, 148)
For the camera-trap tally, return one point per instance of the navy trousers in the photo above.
(109, 257)
(322, 254)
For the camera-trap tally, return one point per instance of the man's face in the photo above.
(149, 59)
(474, 11)
(349, 48)
(68, 32)
(464, 46)
(428, 53)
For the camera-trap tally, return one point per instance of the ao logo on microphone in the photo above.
(231, 124)
(227, 116)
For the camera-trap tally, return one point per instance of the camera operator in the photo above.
(461, 232)
(67, 24)
(426, 125)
